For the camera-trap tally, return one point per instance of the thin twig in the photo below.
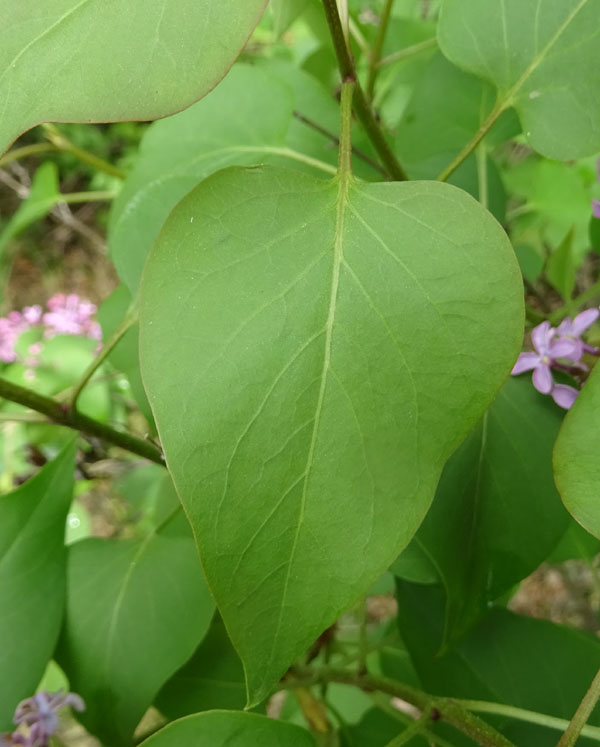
(126, 324)
(375, 55)
(62, 414)
(361, 105)
(407, 52)
(336, 141)
(448, 710)
(582, 714)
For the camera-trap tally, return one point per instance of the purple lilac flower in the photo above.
(69, 315)
(66, 315)
(574, 329)
(596, 208)
(551, 344)
(547, 351)
(39, 715)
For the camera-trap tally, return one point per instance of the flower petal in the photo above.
(525, 362)
(566, 347)
(541, 336)
(542, 379)
(564, 395)
(584, 320)
(596, 208)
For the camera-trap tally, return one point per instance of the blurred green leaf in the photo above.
(125, 356)
(560, 268)
(557, 201)
(285, 13)
(575, 544)
(136, 610)
(544, 59)
(531, 261)
(43, 196)
(32, 578)
(81, 61)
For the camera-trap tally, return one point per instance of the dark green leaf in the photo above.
(560, 267)
(506, 658)
(483, 533)
(136, 610)
(32, 578)
(212, 678)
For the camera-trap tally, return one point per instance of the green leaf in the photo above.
(335, 342)
(575, 543)
(232, 729)
(557, 200)
(576, 463)
(212, 678)
(285, 13)
(240, 122)
(491, 494)
(80, 61)
(445, 109)
(544, 59)
(136, 610)
(504, 659)
(560, 267)
(32, 578)
(43, 196)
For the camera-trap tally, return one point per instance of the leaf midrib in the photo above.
(338, 256)
(540, 57)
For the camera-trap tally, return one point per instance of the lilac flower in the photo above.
(69, 315)
(574, 329)
(39, 715)
(596, 208)
(564, 395)
(551, 344)
(547, 351)
(11, 327)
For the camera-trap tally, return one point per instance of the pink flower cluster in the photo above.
(553, 345)
(65, 315)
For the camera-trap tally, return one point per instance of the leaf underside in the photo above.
(313, 352)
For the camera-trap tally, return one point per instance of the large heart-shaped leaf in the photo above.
(576, 462)
(80, 61)
(492, 492)
(313, 352)
(32, 578)
(230, 728)
(544, 59)
(136, 610)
